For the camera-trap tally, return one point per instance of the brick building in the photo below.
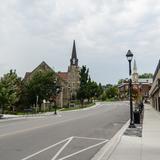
(140, 86)
(155, 89)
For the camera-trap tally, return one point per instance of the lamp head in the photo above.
(129, 56)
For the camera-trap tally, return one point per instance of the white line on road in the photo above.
(83, 150)
(100, 139)
(32, 155)
(63, 147)
(107, 149)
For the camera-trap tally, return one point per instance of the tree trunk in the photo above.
(2, 108)
(40, 105)
(82, 102)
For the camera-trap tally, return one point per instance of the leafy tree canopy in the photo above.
(10, 89)
(43, 84)
(112, 92)
(146, 75)
(88, 89)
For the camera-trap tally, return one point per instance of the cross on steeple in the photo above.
(74, 59)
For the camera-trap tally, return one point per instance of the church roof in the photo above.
(63, 75)
(45, 66)
(74, 52)
(27, 75)
(42, 66)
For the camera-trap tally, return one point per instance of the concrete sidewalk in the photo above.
(146, 147)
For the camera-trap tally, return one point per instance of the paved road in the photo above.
(73, 135)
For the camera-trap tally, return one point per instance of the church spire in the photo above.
(135, 73)
(74, 59)
(135, 67)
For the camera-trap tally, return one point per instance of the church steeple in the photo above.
(135, 67)
(135, 73)
(74, 59)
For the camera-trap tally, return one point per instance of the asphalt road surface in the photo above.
(71, 135)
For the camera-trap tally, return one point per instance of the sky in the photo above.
(32, 31)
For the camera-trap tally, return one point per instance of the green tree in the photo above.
(82, 93)
(146, 75)
(92, 90)
(120, 81)
(42, 85)
(89, 89)
(10, 90)
(100, 90)
(111, 92)
(89, 85)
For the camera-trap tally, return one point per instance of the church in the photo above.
(69, 81)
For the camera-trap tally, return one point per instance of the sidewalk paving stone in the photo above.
(146, 147)
(129, 148)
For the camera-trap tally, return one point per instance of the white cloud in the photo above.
(36, 30)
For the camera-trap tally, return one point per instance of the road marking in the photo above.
(63, 147)
(100, 139)
(34, 154)
(107, 149)
(83, 150)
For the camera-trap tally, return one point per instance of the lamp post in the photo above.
(57, 92)
(55, 96)
(37, 99)
(129, 56)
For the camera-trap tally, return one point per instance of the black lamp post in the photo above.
(57, 92)
(129, 56)
(55, 109)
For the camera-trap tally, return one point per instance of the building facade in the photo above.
(69, 81)
(155, 89)
(71, 77)
(140, 86)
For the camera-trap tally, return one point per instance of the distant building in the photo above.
(155, 89)
(69, 81)
(140, 85)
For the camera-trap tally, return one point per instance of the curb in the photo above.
(5, 119)
(106, 151)
(83, 109)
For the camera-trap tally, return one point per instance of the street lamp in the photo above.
(57, 92)
(129, 56)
